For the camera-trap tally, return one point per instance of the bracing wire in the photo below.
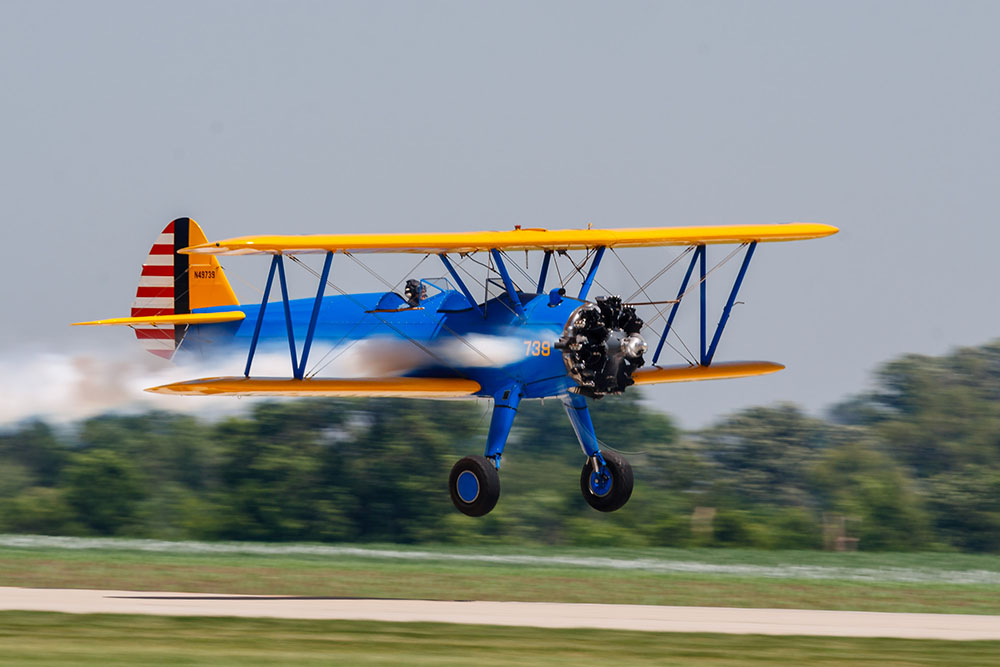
(422, 347)
(652, 280)
(555, 263)
(370, 271)
(410, 272)
(226, 271)
(660, 311)
(402, 334)
(486, 285)
(517, 266)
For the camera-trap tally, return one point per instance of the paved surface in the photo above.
(534, 614)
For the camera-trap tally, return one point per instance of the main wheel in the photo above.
(610, 489)
(474, 485)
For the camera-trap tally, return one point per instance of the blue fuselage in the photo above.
(442, 337)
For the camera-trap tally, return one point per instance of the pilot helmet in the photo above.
(414, 291)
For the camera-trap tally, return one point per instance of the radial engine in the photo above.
(601, 346)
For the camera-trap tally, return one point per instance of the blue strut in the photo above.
(579, 416)
(677, 301)
(729, 305)
(703, 289)
(544, 272)
(288, 313)
(589, 280)
(515, 300)
(301, 370)
(461, 284)
(504, 410)
(260, 315)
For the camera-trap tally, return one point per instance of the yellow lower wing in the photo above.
(723, 371)
(392, 387)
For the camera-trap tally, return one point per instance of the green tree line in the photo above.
(913, 464)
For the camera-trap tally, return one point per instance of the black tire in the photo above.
(621, 483)
(481, 491)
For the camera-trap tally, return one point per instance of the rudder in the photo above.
(171, 283)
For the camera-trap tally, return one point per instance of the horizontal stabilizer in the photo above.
(391, 387)
(723, 371)
(187, 318)
(517, 239)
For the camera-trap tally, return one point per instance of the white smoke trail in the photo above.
(68, 386)
(377, 357)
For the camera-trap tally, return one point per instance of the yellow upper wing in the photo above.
(517, 239)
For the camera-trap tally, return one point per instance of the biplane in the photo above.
(569, 346)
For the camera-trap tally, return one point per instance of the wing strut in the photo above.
(314, 317)
(585, 288)
(707, 360)
(461, 284)
(288, 316)
(677, 302)
(515, 300)
(544, 272)
(298, 365)
(707, 350)
(260, 314)
(703, 292)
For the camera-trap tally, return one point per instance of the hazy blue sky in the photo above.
(878, 117)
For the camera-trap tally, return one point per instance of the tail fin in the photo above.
(174, 284)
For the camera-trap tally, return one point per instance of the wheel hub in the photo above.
(468, 487)
(600, 483)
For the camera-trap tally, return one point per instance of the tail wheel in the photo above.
(610, 487)
(474, 485)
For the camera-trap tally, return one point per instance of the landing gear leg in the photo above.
(606, 479)
(474, 484)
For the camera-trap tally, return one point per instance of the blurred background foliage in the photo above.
(913, 464)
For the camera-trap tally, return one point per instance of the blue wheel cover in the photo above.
(600, 486)
(467, 486)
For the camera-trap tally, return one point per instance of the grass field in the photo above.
(62, 639)
(947, 583)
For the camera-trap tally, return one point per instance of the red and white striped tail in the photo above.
(155, 294)
(174, 284)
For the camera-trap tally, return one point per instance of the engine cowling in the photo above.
(601, 346)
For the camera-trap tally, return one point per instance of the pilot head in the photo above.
(413, 292)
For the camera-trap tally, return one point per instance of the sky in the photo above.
(308, 117)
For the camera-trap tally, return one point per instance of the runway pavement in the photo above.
(534, 614)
